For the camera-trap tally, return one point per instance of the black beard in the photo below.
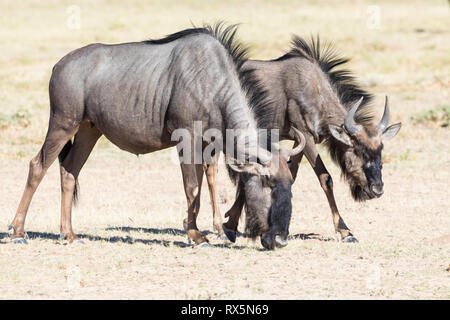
(281, 208)
(360, 194)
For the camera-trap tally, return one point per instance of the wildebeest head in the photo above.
(359, 154)
(268, 196)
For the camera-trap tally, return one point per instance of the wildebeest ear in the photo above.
(339, 134)
(250, 168)
(391, 131)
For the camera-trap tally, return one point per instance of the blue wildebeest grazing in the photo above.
(328, 106)
(137, 94)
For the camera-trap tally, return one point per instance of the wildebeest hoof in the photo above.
(19, 241)
(62, 236)
(230, 234)
(223, 237)
(350, 239)
(78, 241)
(202, 245)
(280, 242)
(185, 226)
(10, 226)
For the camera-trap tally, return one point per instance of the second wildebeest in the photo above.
(137, 94)
(308, 90)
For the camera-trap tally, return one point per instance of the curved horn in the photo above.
(349, 121)
(301, 140)
(386, 114)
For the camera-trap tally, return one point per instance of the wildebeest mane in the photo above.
(347, 88)
(343, 80)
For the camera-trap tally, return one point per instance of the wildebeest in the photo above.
(329, 106)
(137, 94)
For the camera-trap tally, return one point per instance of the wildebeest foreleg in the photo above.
(54, 142)
(230, 227)
(70, 168)
(192, 180)
(211, 173)
(326, 183)
(294, 162)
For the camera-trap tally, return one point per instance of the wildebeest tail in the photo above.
(62, 155)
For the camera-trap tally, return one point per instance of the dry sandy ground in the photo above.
(131, 209)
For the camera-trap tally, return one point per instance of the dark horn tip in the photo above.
(386, 115)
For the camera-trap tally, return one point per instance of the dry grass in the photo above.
(131, 208)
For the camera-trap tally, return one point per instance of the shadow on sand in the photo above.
(310, 236)
(170, 231)
(5, 237)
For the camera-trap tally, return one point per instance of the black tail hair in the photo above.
(62, 155)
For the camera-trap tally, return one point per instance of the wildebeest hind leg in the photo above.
(211, 172)
(326, 183)
(54, 142)
(70, 168)
(192, 180)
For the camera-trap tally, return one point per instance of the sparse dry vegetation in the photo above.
(131, 209)
(439, 116)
